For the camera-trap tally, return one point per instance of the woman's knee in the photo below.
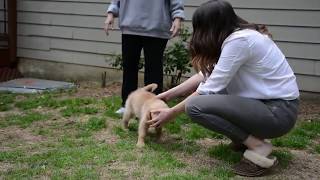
(192, 108)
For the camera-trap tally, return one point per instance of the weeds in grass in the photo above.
(6, 99)
(10, 156)
(93, 124)
(62, 160)
(300, 137)
(189, 147)
(317, 148)
(161, 161)
(23, 121)
(284, 157)
(112, 104)
(223, 172)
(73, 110)
(125, 145)
(177, 176)
(75, 102)
(45, 100)
(223, 152)
(198, 132)
(120, 132)
(4, 107)
(174, 127)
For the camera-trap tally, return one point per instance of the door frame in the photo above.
(8, 56)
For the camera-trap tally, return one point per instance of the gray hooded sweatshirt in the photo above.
(147, 17)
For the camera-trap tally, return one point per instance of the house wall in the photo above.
(70, 31)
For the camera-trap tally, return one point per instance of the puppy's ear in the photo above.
(150, 87)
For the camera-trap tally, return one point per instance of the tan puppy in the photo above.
(139, 104)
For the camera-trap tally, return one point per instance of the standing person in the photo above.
(234, 56)
(147, 25)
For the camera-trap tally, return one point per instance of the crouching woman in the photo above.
(245, 88)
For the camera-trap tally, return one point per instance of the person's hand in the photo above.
(175, 28)
(163, 96)
(108, 23)
(160, 117)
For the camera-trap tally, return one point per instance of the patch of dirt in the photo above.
(105, 136)
(303, 166)
(11, 133)
(4, 167)
(309, 107)
(207, 142)
(91, 89)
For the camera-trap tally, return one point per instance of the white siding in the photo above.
(71, 31)
(295, 26)
(68, 31)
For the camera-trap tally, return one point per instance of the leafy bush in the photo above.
(177, 58)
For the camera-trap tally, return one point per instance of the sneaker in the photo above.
(120, 111)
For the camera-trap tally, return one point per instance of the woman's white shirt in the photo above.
(251, 65)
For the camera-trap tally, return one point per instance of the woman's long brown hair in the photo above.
(212, 23)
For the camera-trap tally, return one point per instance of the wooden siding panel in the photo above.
(98, 35)
(302, 66)
(266, 4)
(66, 57)
(289, 34)
(308, 83)
(317, 69)
(43, 30)
(299, 50)
(61, 20)
(62, 7)
(39, 43)
(34, 18)
(281, 17)
(274, 17)
(86, 1)
(86, 46)
(295, 34)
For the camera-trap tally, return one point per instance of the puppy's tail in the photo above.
(150, 87)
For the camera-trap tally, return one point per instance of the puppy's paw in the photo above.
(126, 125)
(140, 145)
(160, 139)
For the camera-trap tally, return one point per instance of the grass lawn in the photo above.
(76, 135)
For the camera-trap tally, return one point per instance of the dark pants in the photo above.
(238, 117)
(153, 49)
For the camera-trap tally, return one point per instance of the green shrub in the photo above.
(177, 58)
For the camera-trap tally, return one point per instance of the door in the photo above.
(8, 32)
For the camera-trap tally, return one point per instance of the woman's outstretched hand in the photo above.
(108, 23)
(175, 28)
(160, 117)
(163, 96)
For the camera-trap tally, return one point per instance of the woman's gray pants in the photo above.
(238, 117)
